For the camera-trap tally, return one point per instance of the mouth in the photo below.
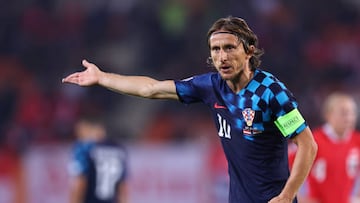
(225, 69)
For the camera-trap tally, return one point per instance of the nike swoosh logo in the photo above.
(217, 106)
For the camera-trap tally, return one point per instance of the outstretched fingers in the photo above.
(72, 78)
(87, 77)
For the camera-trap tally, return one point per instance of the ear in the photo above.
(251, 49)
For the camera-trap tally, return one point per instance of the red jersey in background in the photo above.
(332, 178)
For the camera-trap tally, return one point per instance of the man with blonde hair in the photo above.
(336, 167)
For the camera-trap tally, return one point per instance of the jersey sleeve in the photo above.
(284, 107)
(193, 89)
(79, 163)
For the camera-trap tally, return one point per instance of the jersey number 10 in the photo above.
(224, 128)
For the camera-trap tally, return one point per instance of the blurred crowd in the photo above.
(313, 47)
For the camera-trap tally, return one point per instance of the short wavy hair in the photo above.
(238, 27)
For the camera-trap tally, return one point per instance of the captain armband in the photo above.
(289, 122)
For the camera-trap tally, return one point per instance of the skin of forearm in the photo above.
(77, 190)
(303, 161)
(140, 86)
(298, 175)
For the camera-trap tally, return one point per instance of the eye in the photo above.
(229, 48)
(215, 49)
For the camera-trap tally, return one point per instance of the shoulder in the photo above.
(112, 147)
(267, 79)
(79, 163)
(276, 88)
(356, 136)
(113, 143)
(261, 76)
(269, 85)
(82, 147)
(357, 133)
(201, 80)
(319, 133)
(202, 77)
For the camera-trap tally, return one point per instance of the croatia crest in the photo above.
(248, 115)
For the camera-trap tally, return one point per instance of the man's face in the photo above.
(343, 115)
(87, 131)
(228, 55)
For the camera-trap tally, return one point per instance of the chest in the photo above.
(246, 110)
(336, 160)
(346, 153)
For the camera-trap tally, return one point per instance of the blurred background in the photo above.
(314, 47)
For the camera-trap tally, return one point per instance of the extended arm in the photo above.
(140, 86)
(304, 158)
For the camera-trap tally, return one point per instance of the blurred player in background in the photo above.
(98, 165)
(336, 167)
(255, 114)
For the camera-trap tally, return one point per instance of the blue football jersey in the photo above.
(103, 164)
(254, 126)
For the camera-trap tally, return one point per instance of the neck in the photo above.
(335, 135)
(237, 84)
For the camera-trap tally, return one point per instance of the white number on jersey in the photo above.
(224, 128)
(108, 171)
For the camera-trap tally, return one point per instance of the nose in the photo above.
(223, 55)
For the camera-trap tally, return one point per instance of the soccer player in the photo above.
(336, 167)
(255, 114)
(98, 166)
